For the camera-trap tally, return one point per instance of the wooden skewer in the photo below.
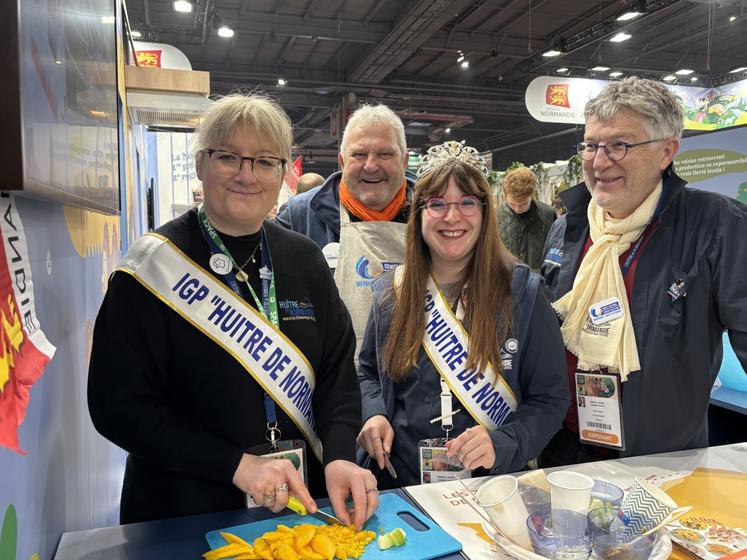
(445, 416)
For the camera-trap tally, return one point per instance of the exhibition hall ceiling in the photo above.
(452, 69)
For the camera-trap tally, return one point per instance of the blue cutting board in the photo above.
(421, 545)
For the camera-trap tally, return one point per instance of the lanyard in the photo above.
(268, 306)
(625, 267)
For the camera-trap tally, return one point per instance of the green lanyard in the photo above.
(268, 282)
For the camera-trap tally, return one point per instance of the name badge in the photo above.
(605, 311)
(599, 410)
(436, 466)
(331, 251)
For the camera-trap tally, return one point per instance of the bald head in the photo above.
(308, 181)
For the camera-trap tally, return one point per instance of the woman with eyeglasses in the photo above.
(462, 367)
(222, 356)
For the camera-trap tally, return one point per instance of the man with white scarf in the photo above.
(645, 274)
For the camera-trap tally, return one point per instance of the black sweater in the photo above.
(184, 409)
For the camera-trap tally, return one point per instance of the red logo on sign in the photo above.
(557, 95)
(151, 59)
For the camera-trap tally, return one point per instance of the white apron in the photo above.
(367, 249)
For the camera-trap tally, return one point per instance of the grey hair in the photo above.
(372, 115)
(659, 106)
(255, 111)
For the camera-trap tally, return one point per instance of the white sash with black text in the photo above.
(261, 349)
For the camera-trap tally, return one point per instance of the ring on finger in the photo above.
(269, 500)
(282, 488)
(371, 490)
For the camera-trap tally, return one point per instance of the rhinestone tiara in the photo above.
(449, 151)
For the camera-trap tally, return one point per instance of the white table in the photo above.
(444, 501)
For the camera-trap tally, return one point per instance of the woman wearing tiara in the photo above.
(462, 366)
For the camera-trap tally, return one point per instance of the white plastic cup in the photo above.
(500, 499)
(570, 490)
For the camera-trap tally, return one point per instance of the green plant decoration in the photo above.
(9, 534)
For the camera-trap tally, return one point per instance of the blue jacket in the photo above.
(535, 372)
(700, 241)
(316, 213)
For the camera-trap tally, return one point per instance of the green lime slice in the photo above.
(385, 541)
(398, 536)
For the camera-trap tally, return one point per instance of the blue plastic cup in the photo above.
(611, 540)
(607, 492)
(559, 534)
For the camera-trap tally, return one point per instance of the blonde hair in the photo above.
(254, 111)
(488, 277)
(520, 182)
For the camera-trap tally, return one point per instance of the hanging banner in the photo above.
(24, 350)
(562, 100)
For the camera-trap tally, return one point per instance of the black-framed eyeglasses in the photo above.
(264, 168)
(615, 150)
(437, 207)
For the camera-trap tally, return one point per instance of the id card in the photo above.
(435, 466)
(599, 410)
(292, 449)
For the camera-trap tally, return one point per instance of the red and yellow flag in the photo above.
(24, 350)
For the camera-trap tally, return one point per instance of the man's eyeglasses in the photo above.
(227, 164)
(467, 206)
(616, 150)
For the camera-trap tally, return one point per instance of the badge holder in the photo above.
(600, 418)
(435, 465)
(292, 449)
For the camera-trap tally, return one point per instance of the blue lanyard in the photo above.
(266, 281)
(625, 267)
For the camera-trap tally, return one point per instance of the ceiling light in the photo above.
(562, 70)
(669, 78)
(694, 79)
(737, 70)
(225, 31)
(461, 58)
(620, 37)
(447, 130)
(465, 64)
(108, 20)
(58, 62)
(183, 6)
(684, 72)
(627, 16)
(281, 82)
(551, 53)
(136, 34)
(615, 74)
(733, 18)
(600, 68)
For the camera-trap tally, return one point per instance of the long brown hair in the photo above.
(488, 276)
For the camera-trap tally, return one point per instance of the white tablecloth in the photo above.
(446, 504)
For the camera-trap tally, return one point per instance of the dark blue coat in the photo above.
(701, 240)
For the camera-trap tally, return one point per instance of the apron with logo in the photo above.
(367, 249)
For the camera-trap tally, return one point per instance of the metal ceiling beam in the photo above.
(593, 34)
(422, 19)
(313, 27)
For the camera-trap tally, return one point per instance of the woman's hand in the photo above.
(348, 479)
(270, 481)
(473, 448)
(376, 438)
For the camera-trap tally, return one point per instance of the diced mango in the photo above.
(323, 545)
